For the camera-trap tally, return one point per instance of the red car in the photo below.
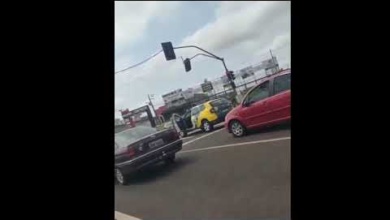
(268, 103)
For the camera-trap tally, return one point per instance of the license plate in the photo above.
(157, 143)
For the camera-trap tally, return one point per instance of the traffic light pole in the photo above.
(211, 56)
(154, 111)
(198, 54)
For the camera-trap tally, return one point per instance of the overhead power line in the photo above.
(142, 62)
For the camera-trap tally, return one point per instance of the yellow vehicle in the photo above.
(206, 115)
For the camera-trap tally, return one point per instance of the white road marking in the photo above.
(237, 144)
(199, 131)
(185, 138)
(198, 138)
(121, 216)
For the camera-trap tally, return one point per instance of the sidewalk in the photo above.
(121, 216)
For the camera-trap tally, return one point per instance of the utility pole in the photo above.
(151, 103)
(274, 62)
(270, 51)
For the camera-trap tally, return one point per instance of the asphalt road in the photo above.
(216, 176)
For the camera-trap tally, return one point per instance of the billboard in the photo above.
(173, 96)
(246, 72)
(207, 86)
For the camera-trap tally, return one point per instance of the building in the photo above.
(173, 98)
(177, 97)
(179, 101)
(119, 121)
(161, 110)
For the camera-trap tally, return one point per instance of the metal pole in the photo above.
(215, 56)
(151, 103)
(272, 57)
(198, 54)
(223, 61)
(198, 49)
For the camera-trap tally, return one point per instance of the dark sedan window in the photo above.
(131, 135)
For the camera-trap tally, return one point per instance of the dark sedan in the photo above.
(141, 146)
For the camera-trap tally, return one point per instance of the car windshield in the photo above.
(131, 135)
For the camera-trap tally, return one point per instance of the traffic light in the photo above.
(168, 51)
(187, 64)
(230, 75)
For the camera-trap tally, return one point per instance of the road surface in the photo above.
(216, 176)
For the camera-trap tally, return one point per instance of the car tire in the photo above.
(170, 160)
(120, 178)
(237, 128)
(207, 126)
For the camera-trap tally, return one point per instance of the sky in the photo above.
(242, 33)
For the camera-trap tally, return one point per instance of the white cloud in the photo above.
(281, 41)
(242, 33)
(131, 24)
(238, 22)
(132, 18)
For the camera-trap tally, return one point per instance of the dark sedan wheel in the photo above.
(237, 129)
(120, 177)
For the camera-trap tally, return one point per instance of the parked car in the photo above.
(206, 115)
(268, 103)
(142, 146)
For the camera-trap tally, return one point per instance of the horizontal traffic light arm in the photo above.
(217, 57)
(170, 54)
(203, 55)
